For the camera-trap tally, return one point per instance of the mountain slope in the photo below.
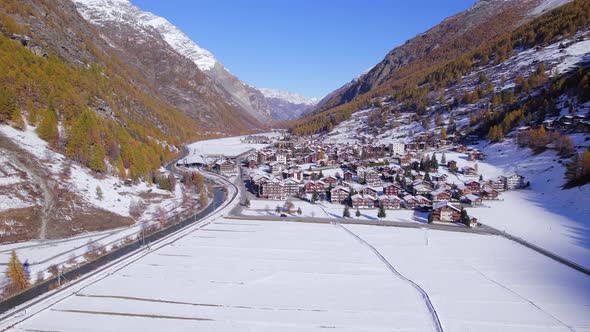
(287, 106)
(119, 20)
(456, 35)
(73, 117)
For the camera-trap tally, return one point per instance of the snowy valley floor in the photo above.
(280, 276)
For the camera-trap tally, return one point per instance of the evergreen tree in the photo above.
(314, 196)
(278, 209)
(434, 162)
(299, 212)
(358, 213)
(346, 212)
(427, 177)
(16, 274)
(430, 218)
(465, 218)
(381, 213)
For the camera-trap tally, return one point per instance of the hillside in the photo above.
(191, 78)
(75, 116)
(456, 35)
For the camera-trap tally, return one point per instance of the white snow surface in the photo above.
(289, 97)
(548, 5)
(275, 276)
(227, 146)
(98, 11)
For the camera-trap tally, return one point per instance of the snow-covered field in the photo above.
(276, 276)
(228, 146)
(259, 207)
(556, 220)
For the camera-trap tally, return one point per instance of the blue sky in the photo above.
(310, 47)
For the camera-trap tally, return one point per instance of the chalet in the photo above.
(463, 190)
(360, 171)
(348, 176)
(339, 195)
(373, 178)
(294, 174)
(452, 165)
(446, 212)
(311, 186)
(422, 201)
(397, 148)
(330, 181)
(347, 184)
(390, 202)
(413, 202)
(472, 200)
(514, 181)
(405, 160)
(410, 202)
(489, 194)
(363, 202)
(252, 164)
(277, 168)
(226, 167)
(282, 158)
(440, 194)
(392, 189)
(468, 170)
(475, 155)
(273, 190)
(474, 186)
(439, 177)
(372, 191)
(421, 189)
(499, 184)
(291, 187)
(263, 156)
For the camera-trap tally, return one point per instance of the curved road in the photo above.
(29, 309)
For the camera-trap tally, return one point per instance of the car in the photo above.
(283, 215)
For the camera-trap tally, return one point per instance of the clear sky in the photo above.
(310, 47)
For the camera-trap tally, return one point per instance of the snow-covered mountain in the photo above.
(287, 106)
(125, 17)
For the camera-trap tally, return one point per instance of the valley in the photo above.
(145, 186)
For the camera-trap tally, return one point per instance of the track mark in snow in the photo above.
(225, 230)
(430, 307)
(522, 297)
(110, 313)
(210, 305)
(234, 224)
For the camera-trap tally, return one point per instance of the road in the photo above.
(31, 308)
